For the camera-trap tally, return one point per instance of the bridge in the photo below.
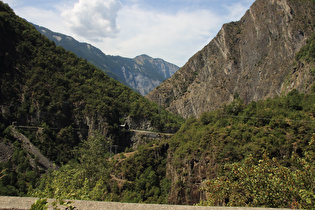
(112, 149)
(151, 133)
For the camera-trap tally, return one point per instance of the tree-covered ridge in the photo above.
(52, 77)
(42, 83)
(248, 152)
(134, 177)
(265, 183)
(278, 126)
(63, 97)
(281, 128)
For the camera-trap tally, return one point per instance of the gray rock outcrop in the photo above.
(252, 58)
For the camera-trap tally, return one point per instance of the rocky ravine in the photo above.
(252, 57)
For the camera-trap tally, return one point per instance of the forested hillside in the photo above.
(215, 145)
(58, 100)
(256, 155)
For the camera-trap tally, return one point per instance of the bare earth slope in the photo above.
(252, 57)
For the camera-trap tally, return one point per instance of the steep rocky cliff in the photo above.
(253, 58)
(141, 73)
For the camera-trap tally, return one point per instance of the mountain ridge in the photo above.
(141, 77)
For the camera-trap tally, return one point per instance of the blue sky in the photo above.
(173, 30)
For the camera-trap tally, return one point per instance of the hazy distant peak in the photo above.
(143, 73)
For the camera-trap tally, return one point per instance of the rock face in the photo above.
(141, 73)
(252, 58)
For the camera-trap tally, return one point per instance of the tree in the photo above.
(266, 184)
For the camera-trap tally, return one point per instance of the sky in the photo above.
(173, 30)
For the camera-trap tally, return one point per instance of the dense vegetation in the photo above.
(46, 86)
(56, 81)
(139, 178)
(273, 167)
(266, 183)
(253, 150)
(63, 97)
(238, 130)
(17, 173)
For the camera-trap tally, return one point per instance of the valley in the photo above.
(234, 127)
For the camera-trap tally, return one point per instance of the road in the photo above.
(21, 203)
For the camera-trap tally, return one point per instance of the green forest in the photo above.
(253, 150)
(260, 154)
(51, 89)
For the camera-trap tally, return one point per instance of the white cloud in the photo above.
(157, 34)
(237, 10)
(174, 37)
(93, 19)
(43, 17)
(173, 34)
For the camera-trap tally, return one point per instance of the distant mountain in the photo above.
(142, 73)
(254, 58)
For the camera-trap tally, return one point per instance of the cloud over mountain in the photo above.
(93, 19)
(170, 29)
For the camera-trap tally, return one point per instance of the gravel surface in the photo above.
(21, 203)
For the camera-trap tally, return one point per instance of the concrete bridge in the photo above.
(152, 134)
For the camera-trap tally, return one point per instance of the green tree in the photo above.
(266, 184)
